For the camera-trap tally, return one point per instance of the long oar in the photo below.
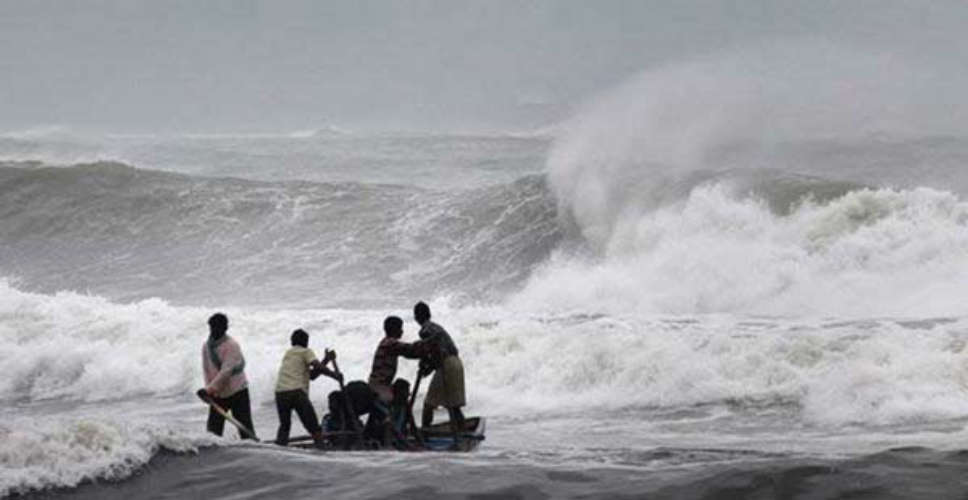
(221, 411)
(413, 424)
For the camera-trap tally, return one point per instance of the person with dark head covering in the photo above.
(440, 356)
(224, 369)
(299, 366)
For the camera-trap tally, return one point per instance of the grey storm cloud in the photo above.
(245, 65)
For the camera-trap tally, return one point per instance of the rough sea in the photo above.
(781, 321)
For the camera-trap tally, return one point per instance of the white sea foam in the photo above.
(517, 361)
(40, 132)
(85, 348)
(64, 348)
(39, 453)
(869, 253)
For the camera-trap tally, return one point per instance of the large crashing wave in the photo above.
(867, 253)
(131, 234)
(795, 180)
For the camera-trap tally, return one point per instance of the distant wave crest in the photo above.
(139, 233)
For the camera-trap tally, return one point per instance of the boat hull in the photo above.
(437, 437)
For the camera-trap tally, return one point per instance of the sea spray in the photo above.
(734, 109)
(753, 181)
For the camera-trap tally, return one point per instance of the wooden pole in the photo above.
(413, 423)
(221, 411)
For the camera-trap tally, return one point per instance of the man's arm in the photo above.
(409, 351)
(317, 368)
(424, 350)
(205, 369)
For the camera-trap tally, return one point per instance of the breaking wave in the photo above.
(132, 234)
(49, 453)
(830, 372)
(758, 183)
(870, 252)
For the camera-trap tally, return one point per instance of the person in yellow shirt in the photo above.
(299, 366)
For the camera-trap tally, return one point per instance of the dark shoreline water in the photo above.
(240, 472)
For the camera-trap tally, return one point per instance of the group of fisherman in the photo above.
(383, 399)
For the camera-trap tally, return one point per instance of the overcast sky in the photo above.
(260, 66)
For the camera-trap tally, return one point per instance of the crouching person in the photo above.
(299, 366)
(346, 407)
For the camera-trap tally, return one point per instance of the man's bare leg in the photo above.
(456, 425)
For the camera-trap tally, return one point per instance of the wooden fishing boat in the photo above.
(437, 437)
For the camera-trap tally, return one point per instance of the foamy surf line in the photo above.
(40, 453)
(838, 372)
